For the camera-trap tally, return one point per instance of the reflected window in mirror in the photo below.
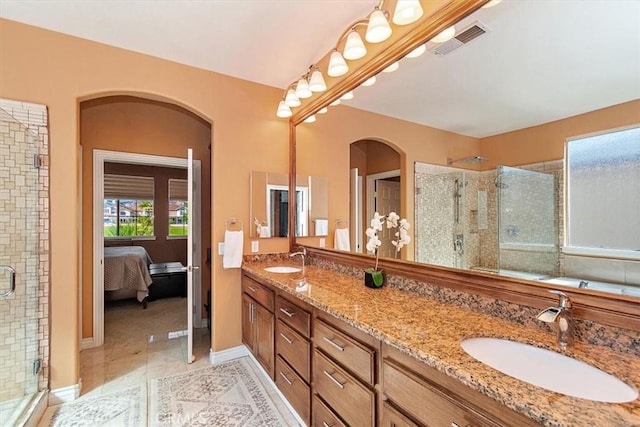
(603, 186)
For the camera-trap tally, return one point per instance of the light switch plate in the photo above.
(221, 248)
(322, 242)
(255, 246)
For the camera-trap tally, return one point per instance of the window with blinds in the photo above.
(178, 207)
(128, 205)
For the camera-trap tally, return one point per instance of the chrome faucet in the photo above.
(562, 317)
(301, 284)
(303, 254)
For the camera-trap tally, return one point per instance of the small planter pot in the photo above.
(373, 279)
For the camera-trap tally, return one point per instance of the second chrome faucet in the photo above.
(562, 318)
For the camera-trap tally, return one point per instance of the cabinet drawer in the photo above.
(351, 354)
(294, 389)
(294, 349)
(323, 416)
(424, 402)
(393, 418)
(258, 292)
(294, 316)
(348, 398)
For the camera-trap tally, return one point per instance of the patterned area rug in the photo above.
(125, 408)
(229, 394)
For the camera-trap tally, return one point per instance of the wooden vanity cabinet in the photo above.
(258, 322)
(344, 373)
(293, 349)
(415, 394)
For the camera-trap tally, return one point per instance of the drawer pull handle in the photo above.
(324, 424)
(456, 425)
(287, 312)
(286, 338)
(336, 382)
(330, 341)
(286, 379)
(252, 289)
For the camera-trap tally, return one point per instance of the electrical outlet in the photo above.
(255, 246)
(221, 248)
(322, 242)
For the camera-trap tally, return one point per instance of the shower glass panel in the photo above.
(527, 221)
(19, 254)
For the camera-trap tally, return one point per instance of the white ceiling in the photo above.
(542, 59)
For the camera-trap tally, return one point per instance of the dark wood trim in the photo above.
(292, 186)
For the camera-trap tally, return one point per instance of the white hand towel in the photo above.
(233, 246)
(341, 239)
(264, 231)
(322, 227)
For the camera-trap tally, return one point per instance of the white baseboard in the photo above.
(216, 357)
(86, 343)
(64, 394)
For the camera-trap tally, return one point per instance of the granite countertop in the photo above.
(432, 331)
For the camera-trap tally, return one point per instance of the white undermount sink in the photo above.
(550, 370)
(282, 269)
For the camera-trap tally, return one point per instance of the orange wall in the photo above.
(129, 124)
(59, 71)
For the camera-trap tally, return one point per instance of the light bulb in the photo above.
(291, 99)
(391, 68)
(491, 4)
(417, 51)
(337, 65)
(323, 110)
(445, 35)
(407, 12)
(310, 119)
(347, 96)
(354, 47)
(283, 110)
(302, 89)
(369, 82)
(316, 82)
(378, 29)
(334, 103)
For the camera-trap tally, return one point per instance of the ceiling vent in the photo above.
(472, 32)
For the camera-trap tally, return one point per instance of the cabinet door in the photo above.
(247, 322)
(264, 337)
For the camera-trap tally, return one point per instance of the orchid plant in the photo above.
(401, 238)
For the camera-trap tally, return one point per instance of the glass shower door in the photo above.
(18, 267)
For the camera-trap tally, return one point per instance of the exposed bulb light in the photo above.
(391, 68)
(369, 82)
(334, 103)
(354, 47)
(302, 89)
(283, 110)
(407, 12)
(417, 51)
(347, 96)
(337, 65)
(323, 110)
(316, 82)
(291, 99)
(445, 35)
(490, 4)
(310, 119)
(378, 29)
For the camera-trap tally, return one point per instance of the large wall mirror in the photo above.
(481, 126)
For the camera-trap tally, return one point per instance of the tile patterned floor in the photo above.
(138, 349)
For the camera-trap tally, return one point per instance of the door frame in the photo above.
(371, 186)
(99, 159)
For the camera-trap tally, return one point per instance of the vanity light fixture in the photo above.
(407, 12)
(347, 96)
(302, 89)
(378, 29)
(316, 82)
(291, 99)
(445, 35)
(337, 65)
(354, 47)
(391, 68)
(369, 82)
(417, 51)
(283, 110)
(310, 119)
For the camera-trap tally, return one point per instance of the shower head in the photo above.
(467, 160)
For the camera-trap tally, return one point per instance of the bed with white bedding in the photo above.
(126, 272)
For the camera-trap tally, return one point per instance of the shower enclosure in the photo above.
(21, 356)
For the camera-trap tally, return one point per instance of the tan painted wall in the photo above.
(45, 67)
(129, 124)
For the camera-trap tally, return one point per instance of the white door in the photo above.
(192, 252)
